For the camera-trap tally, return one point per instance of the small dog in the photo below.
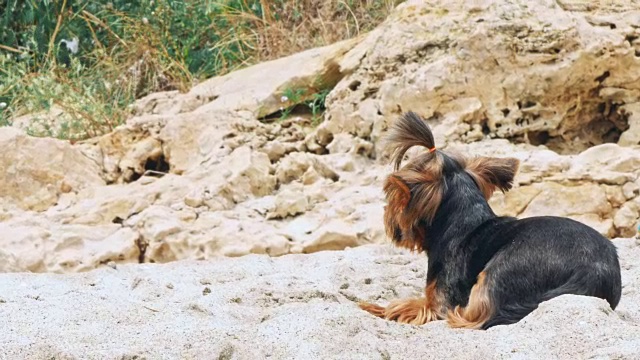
(483, 270)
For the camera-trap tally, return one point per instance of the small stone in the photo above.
(65, 187)
(274, 150)
(630, 190)
(289, 203)
(206, 291)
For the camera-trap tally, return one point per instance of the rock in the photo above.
(190, 141)
(607, 158)
(626, 219)
(250, 175)
(295, 306)
(110, 150)
(289, 202)
(543, 73)
(36, 171)
(630, 190)
(137, 161)
(515, 201)
(631, 137)
(341, 143)
(165, 103)
(155, 224)
(570, 201)
(8, 262)
(293, 166)
(258, 89)
(48, 247)
(275, 150)
(335, 235)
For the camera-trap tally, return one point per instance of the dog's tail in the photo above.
(408, 131)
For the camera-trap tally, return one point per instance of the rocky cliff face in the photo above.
(217, 171)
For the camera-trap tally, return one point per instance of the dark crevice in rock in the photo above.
(142, 247)
(354, 85)
(602, 77)
(538, 137)
(631, 38)
(156, 167)
(589, 122)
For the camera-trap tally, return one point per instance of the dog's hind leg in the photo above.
(581, 283)
(416, 311)
(480, 307)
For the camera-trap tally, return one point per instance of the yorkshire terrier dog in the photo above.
(483, 270)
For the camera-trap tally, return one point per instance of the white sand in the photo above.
(292, 307)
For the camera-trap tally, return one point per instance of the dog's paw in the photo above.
(374, 309)
(409, 311)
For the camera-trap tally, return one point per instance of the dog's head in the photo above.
(416, 191)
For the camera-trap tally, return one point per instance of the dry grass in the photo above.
(128, 51)
(289, 27)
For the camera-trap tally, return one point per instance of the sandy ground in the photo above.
(291, 307)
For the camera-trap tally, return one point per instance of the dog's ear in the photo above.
(398, 225)
(491, 173)
(397, 192)
(398, 196)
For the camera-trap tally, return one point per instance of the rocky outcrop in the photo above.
(234, 167)
(535, 72)
(291, 307)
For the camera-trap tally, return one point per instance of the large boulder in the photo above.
(533, 71)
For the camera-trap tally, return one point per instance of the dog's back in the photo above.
(543, 257)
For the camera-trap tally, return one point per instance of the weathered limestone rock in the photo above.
(626, 219)
(293, 167)
(34, 172)
(49, 247)
(334, 235)
(520, 70)
(258, 89)
(289, 202)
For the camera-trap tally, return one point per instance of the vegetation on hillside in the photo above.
(89, 60)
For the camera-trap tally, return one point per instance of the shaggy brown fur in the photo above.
(478, 310)
(416, 311)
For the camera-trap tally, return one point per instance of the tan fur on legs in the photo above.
(374, 309)
(417, 311)
(478, 310)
